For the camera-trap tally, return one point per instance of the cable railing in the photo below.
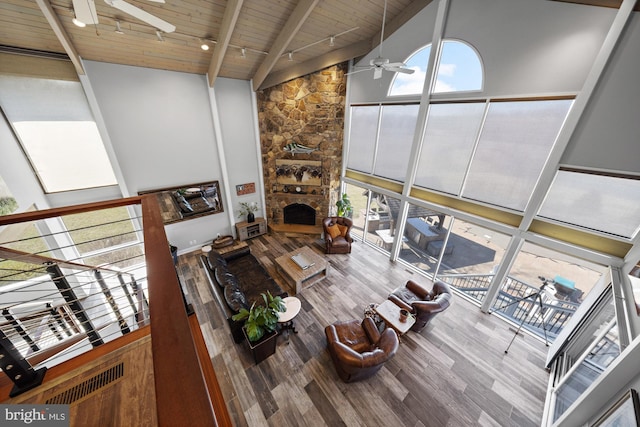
(57, 302)
(515, 303)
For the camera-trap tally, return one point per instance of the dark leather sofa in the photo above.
(237, 281)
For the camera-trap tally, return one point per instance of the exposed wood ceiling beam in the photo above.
(328, 59)
(61, 34)
(229, 20)
(293, 24)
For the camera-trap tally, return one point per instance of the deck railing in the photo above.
(516, 303)
(74, 278)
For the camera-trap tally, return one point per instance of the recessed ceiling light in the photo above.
(204, 46)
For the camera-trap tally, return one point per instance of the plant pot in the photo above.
(251, 217)
(264, 347)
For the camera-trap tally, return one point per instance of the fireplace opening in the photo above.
(297, 213)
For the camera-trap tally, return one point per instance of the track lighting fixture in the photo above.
(118, 29)
(332, 41)
(78, 22)
(243, 53)
(159, 35)
(290, 56)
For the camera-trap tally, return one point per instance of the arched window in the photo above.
(460, 70)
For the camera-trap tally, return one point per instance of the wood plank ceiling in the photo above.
(248, 39)
(267, 30)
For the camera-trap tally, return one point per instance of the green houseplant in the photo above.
(260, 323)
(247, 210)
(344, 205)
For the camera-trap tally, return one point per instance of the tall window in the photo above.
(597, 202)
(8, 203)
(57, 131)
(459, 70)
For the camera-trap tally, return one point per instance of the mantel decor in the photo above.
(188, 201)
(299, 172)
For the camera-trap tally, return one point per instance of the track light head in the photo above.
(159, 35)
(290, 55)
(118, 29)
(332, 41)
(243, 53)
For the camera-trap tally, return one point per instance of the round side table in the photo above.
(285, 319)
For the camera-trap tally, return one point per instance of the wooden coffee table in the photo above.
(302, 277)
(390, 313)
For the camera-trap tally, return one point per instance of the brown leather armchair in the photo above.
(336, 237)
(422, 303)
(358, 349)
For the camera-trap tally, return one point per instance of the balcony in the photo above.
(93, 311)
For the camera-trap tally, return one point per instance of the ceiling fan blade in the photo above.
(142, 15)
(400, 70)
(157, 1)
(377, 73)
(85, 11)
(358, 71)
(396, 64)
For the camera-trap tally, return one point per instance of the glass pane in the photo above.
(452, 130)
(55, 126)
(412, 84)
(362, 138)
(604, 203)
(459, 70)
(8, 203)
(516, 140)
(601, 355)
(567, 281)
(97, 230)
(358, 197)
(121, 258)
(383, 213)
(23, 237)
(394, 142)
(423, 237)
(473, 253)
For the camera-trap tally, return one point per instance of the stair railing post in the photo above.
(72, 300)
(19, 371)
(114, 306)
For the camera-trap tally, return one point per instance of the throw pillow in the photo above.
(334, 231)
(343, 229)
(235, 298)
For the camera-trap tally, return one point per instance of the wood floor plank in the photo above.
(453, 373)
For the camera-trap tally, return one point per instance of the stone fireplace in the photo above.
(308, 111)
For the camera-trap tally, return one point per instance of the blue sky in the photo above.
(460, 70)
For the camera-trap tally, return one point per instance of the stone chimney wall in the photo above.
(308, 111)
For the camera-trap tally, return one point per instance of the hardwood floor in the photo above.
(454, 373)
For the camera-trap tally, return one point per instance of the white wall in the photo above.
(527, 47)
(607, 136)
(238, 119)
(162, 131)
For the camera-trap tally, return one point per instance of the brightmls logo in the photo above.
(34, 415)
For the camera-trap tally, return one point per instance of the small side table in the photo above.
(285, 319)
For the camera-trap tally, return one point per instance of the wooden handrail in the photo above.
(181, 389)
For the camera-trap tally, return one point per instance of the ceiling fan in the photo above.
(85, 11)
(380, 63)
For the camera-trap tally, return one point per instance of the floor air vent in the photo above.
(84, 389)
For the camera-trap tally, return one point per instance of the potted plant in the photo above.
(260, 323)
(344, 206)
(247, 209)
